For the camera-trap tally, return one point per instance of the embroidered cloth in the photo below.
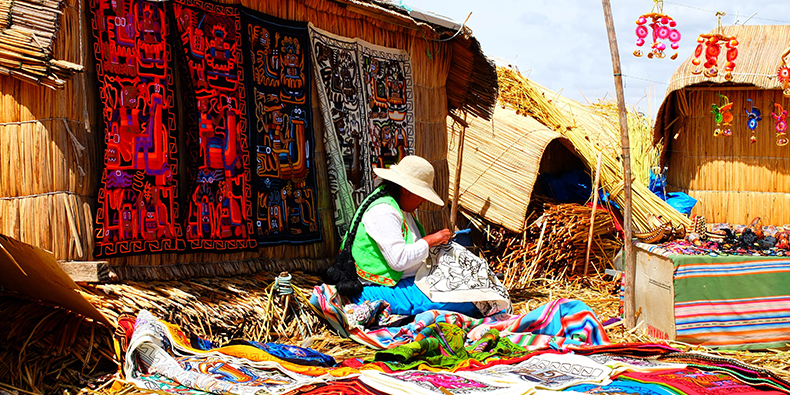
(278, 86)
(219, 213)
(453, 274)
(367, 102)
(137, 204)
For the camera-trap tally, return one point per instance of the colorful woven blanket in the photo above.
(732, 302)
(559, 323)
(278, 87)
(137, 206)
(367, 102)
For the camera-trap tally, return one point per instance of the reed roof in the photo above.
(760, 50)
(501, 162)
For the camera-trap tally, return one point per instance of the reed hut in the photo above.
(733, 179)
(502, 160)
(540, 127)
(51, 140)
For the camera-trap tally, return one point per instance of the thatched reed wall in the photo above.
(49, 151)
(501, 163)
(732, 179)
(50, 176)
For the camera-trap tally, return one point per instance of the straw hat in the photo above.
(415, 174)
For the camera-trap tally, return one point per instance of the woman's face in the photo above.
(408, 201)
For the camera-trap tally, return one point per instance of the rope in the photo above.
(283, 284)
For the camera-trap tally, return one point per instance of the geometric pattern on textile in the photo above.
(278, 85)
(137, 203)
(368, 106)
(454, 274)
(219, 211)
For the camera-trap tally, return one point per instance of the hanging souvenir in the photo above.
(663, 28)
(783, 74)
(780, 123)
(710, 48)
(723, 117)
(753, 116)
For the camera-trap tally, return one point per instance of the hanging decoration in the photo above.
(783, 74)
(780, 123)
(723, 117)
(663, 27)
(710, 46)
(753, 115)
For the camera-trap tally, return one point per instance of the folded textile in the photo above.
(694, 382)
(547, 371)
(559, 323)
(153, 351)
(452, 274)
(444, 345)
(436, 383)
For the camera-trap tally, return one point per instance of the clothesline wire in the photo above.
(713, 12)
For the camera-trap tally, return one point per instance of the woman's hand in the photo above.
(441, 237)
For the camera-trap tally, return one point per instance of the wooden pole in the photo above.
(630, 264)
(594, 207)
(456, 189)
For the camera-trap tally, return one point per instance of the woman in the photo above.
(385, 245)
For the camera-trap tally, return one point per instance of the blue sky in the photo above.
(562, 44)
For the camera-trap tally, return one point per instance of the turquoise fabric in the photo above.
(407, 299)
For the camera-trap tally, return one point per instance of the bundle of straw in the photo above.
(47, 349)
(554, 245)
(589, 131)
(27, 33)
(219, 309)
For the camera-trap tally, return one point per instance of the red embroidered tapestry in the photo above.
(278, 70)
(137, 203)
(219, 210)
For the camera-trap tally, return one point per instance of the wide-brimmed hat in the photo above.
(415, 174)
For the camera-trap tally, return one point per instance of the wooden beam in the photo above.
(630, 263)
(88, 272)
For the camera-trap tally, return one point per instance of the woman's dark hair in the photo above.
(343, 273)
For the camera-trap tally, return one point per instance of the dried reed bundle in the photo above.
(27, 32)
(589, 132)
(48, 349)
(554, 244)
(219, 309)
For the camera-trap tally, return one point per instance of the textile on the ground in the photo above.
(453, 274)
(732, 302)
(367, 103)
(559, 323)
(161, 358)
(137, 204)
(219, 212)
(278, 81)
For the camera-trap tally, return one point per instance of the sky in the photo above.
(563, 44)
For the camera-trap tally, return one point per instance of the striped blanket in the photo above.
(557, 324)
(732, 302)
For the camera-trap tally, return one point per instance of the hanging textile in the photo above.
(137, 204)
(278, 83)
(218, 202)
(367, 102)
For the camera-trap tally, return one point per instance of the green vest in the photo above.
(369, 260)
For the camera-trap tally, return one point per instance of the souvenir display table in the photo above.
(718, 300)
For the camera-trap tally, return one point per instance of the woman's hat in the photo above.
(415, 174)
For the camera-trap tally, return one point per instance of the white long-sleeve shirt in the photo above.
(383, 223)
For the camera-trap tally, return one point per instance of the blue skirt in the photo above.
(405, 298)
